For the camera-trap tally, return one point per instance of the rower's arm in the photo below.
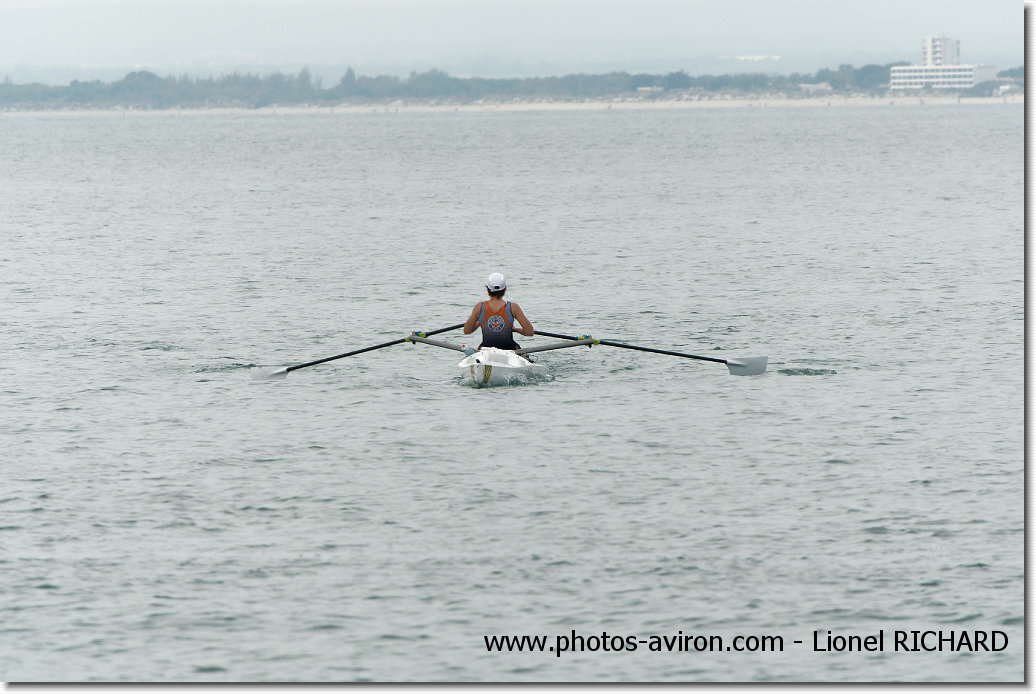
(472, 322)
(523, 322)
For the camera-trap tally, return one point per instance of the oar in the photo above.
(284, 371)
(742, 366)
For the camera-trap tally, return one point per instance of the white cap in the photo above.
(496, 282)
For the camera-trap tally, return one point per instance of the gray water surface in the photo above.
(167, 518)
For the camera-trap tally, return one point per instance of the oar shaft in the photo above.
(560, 337)
(347, 354)
(636, 347)
(368, 349)
(661, 351)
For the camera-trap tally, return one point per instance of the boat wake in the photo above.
(807, 372)
(517, 379)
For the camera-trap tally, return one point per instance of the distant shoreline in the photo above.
(491, 106)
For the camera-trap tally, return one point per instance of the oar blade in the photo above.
(747, 366)
(269, 373)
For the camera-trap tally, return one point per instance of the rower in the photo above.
(498, 317)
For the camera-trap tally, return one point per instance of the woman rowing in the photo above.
(497, 317)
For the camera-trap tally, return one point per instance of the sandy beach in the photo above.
(663, 104)
(518, 105)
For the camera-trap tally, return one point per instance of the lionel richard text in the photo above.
(911, 640)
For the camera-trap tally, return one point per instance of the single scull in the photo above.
(491, 366)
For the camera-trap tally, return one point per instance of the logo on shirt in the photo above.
(496, 324)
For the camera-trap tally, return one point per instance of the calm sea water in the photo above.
(165, 517)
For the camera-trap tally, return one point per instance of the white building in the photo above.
(940, 76)
(940, 68)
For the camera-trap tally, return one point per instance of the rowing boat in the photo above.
(490, 366)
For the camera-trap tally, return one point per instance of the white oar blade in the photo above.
(747, 366)
(268, 373)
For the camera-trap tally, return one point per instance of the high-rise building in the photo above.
(940, 50)
(940, 68)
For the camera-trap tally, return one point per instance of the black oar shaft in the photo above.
(347, 354)
(636, 347)
(560, 337)
(661, 351)
(369, 349)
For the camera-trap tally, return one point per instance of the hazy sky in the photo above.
(59, 40)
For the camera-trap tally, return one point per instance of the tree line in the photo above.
(145, 89)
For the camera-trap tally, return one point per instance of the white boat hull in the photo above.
(497, 367)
